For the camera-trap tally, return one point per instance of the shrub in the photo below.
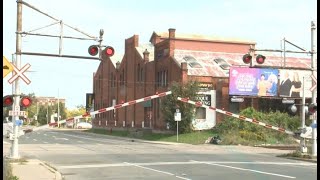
(248, 131)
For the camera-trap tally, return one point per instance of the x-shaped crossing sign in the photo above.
(20, 73)
(315, 83)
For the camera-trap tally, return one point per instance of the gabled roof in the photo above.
(115, 58)
(217, 64)
(149, 47)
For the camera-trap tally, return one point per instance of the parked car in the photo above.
(83, 125)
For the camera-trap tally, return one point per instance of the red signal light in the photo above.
(312, 108)
(260, 59)
(7, 101)
(247, 58)
(93, 50)
(109, 51)
(25, 102)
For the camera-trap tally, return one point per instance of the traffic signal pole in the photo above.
(16, 106)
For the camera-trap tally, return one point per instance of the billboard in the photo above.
(292, 81)
(245, 81)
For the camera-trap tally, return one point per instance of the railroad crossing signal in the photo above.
(7, 67)
(20, 73)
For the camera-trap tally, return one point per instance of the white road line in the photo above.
(185, 163)
(93, 166)
(99, 144)
(80, 141)
(45, 134)
(164, 172)
(61, 138)
(35, 140)
(243, 169)
(45, 142)
(4, 142)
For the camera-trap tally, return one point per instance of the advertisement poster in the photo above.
(291, 83)
(245, 81)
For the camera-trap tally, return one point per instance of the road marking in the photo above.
(45, 142)
(35, 140)
(80, 141)
(45, 134)
(99, 144)
(164, 172)
(185, 163)
(243, 169)
(61, 139)
(4, 142)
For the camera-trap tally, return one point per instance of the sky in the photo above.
(266, 22)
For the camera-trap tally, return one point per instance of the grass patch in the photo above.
(296, 154)
(196, 137)
(235, 137)
(108, 132)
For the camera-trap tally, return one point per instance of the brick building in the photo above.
(147, 69)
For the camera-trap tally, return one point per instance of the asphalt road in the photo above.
(84, 156)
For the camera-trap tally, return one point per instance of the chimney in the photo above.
(118, 65)
(172, 33)
(146, 56)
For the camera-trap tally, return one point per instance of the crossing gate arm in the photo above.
(199, 104)
(113, 107)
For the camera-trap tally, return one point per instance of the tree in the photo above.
(171, 103)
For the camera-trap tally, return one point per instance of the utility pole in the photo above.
(314, 73)
(58, 111)
(303, 147)
(14, 146)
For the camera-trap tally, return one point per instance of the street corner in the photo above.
(33, 169)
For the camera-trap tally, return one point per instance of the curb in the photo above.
(131, 139)
(58, 175)
(301, 159)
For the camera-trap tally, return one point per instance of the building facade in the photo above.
(148, 69)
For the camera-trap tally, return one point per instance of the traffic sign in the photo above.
(20, 73)
(237, 99)
(315, 83)
(7, 67)
(19, 122)
(17, 113)
(287, 101)
(177, 116)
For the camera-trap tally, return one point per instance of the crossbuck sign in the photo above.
(20, 73)
(315, 83)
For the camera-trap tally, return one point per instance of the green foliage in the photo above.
(244, 132)
(171, 103)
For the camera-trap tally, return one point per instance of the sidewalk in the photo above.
(29, 169)
(34, 169)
